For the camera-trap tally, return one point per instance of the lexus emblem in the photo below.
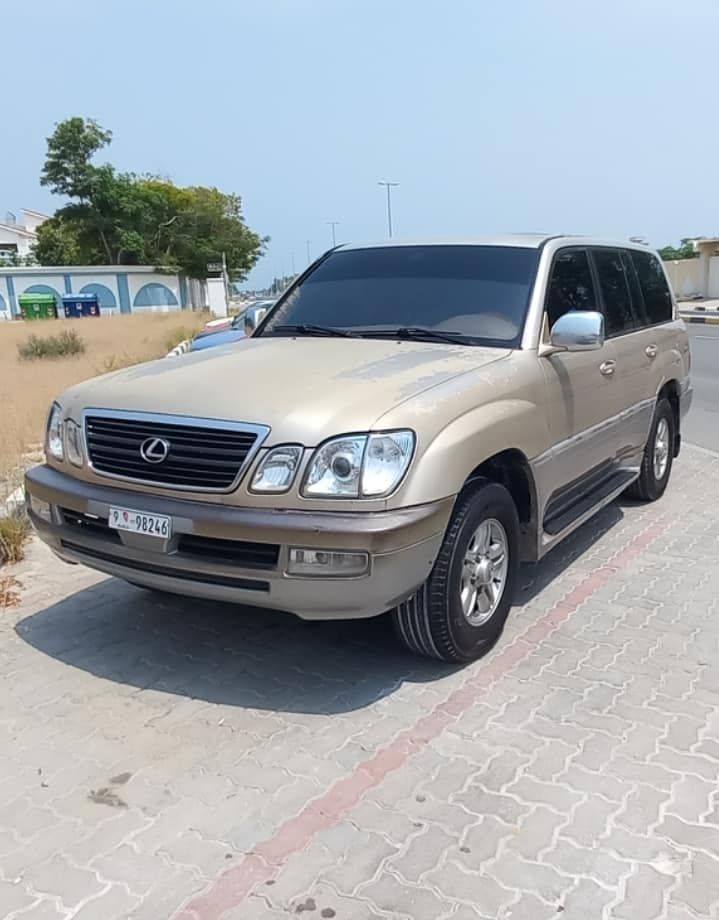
(154, 450)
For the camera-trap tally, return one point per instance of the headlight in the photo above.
(367, 466)
(386, 460)
(53, 437)
(277, 471)
(73, 443)
(335, 468)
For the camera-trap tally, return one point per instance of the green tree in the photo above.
(123, 218)
(684, 251)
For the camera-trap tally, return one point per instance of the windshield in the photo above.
(477, 292)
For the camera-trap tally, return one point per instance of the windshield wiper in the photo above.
(311, 329)
(417, 334)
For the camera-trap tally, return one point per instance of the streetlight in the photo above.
(333, 224)
(389, 186)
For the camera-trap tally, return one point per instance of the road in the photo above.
(702, 424)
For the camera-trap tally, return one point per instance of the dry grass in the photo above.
(14, 530)
(28, 388)
(9, 593)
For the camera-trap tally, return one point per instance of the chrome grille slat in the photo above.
(204, 455)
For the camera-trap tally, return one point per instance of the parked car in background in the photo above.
(232, 330)
(423, 417)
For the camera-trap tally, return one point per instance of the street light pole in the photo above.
(389, 186)
(309, 257)
(333, 224)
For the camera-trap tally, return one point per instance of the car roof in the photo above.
(521, 240)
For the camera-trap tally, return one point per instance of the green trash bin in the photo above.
(37, 306)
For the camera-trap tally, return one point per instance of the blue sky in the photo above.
(591, 116)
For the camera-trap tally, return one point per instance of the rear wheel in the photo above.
(658, 455)
(461, 608)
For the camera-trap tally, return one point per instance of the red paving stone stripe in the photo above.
(266, 860)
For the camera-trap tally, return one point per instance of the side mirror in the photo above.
(253, 318)
(578, 331)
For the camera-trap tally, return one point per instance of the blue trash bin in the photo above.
(79, 305)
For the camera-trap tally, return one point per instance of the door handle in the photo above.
(651, 351)
(607, 368)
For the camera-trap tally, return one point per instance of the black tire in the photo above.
(432, 622)
(649, 487)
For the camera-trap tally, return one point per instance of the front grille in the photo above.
(204, 458)
(235, 552)
(241, 553)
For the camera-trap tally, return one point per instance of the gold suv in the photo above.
(407, 424)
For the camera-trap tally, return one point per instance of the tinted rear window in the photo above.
(655, 290)
(618, 316)
(481, 292)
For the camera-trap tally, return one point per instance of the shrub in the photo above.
(181, 334)
(14, 531)
(66, 344)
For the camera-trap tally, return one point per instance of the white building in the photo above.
(17, 236)
(119, 288)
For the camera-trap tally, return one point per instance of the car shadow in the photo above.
(245, 657)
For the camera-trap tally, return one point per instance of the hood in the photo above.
(305, 389)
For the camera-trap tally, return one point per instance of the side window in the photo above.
(657, 297)
(570, 286)
(640, 318)
(618, 315)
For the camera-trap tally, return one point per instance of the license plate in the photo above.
(155, 525)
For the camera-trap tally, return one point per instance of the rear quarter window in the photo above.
(655, 290)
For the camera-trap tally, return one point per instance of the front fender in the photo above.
(443, 465)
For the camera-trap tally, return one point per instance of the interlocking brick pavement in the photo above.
(168, 758)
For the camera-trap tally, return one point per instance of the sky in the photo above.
(577, 116)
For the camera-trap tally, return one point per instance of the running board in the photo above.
(558, 521)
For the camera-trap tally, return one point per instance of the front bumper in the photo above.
(241, 554)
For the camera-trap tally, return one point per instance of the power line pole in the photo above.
(333, 224)
(389, 186)
(293, 265)
(309, 257)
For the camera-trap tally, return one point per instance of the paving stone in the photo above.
(41, 910)
(529, 907)
(14, 896)
(479, 890)
(482, 841)
(535, 833)
(585, 901)
(592, 863)
(644, 898)
(58, 877)
(693, 836)
(642, 809)
(423, 853)
(558, 797)
(361, 863)
(480, 802)
(517, 874)
(115, 903)
(388, 894)
(128, 866)
(698, 887)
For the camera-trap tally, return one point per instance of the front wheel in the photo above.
(461, 608)
(658, 455)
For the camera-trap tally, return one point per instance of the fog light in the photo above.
(326, 563)
(40, 508)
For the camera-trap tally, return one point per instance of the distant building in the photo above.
(18, 236)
